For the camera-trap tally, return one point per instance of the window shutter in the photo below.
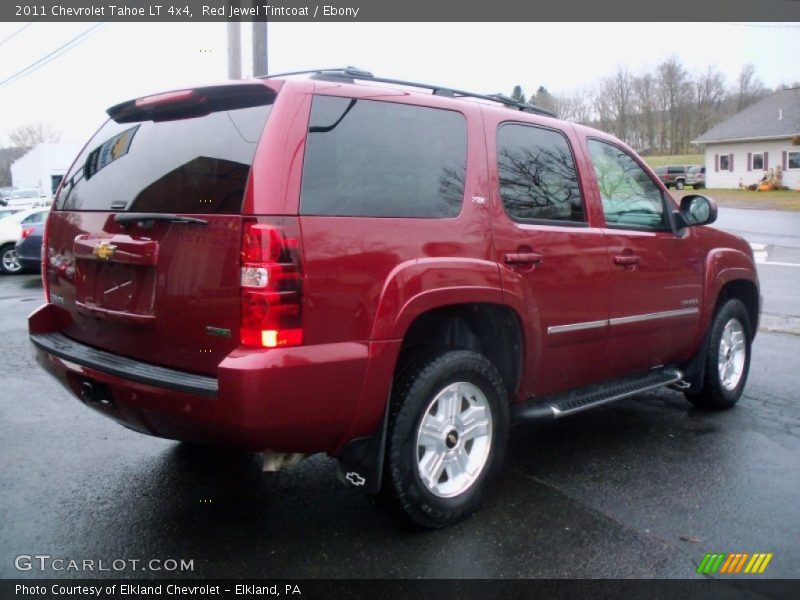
(784, 159)
(766, 161)
(716, 163)
(730, 163)
(749, 161)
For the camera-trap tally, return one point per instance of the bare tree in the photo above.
(708, 97)
(674, 92)
(575, 107)
(29, 135)
(617, 91)
(749, 88)
(645, 96)
(660, 110)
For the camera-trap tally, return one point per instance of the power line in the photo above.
(20, 30)
(51, 56)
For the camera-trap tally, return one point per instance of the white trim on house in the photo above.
(747, 139)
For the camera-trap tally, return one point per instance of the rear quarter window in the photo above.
(381, 159)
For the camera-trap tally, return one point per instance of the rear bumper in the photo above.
(60, 346)
(302, 399)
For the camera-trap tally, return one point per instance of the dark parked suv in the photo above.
(673, 175)
(384, 271)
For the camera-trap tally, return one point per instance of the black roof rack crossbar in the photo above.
(353, 73)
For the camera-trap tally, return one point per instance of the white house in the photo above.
(43, 166)
(745, 147)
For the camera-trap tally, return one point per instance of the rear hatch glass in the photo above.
(138, 281)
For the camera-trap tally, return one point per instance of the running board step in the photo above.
(562, 405)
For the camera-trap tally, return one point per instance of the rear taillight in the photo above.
(271, 284)
(27, 232)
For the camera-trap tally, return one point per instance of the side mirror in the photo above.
(698, 210)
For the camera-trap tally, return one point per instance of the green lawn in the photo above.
(755, 196)
(778, 200)
(676, 159)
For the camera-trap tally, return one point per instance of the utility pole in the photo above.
(234, 50)
(260, 56)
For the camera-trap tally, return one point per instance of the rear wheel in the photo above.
(9, 263)
(447, 435)
(727, 359)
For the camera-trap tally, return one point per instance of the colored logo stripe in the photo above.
(734, 562)
(758, 563)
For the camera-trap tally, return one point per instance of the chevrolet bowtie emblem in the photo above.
(104, 251)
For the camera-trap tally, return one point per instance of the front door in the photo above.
(656, 276)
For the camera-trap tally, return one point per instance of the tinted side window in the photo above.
(380, 159)
(537, 174)
(676, 169)
(630, 198)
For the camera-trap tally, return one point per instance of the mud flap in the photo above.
(360, 463)
(694, 371)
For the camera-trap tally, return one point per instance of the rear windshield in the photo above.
(196, 165)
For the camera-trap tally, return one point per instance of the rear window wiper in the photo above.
(128, 218)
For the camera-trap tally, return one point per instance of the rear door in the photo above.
(552, 256)
(145, 234)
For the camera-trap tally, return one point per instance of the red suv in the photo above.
(383, 271)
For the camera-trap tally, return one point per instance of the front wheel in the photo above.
(679, 184)
(9, 263)
(447, 435)
(727, 360)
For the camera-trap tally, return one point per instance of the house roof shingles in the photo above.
(760, 120)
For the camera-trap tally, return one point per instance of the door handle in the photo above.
(627, 260)
(524, 258)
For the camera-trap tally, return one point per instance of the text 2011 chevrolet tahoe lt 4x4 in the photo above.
(383, 271)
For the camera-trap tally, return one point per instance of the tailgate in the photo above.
(143, 245)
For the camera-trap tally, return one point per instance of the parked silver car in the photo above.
(696, 177)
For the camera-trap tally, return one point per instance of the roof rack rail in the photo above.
(350, 74)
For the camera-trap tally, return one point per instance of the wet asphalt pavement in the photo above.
(641, 488)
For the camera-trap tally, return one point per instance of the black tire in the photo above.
(679, 185)
(715, 395)
(4, 267)
(413, 394)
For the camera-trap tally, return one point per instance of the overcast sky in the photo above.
(119, 61)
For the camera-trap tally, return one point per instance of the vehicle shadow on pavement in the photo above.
(31, 282)
(217, 507)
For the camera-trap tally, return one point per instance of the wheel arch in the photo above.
(491, 329)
